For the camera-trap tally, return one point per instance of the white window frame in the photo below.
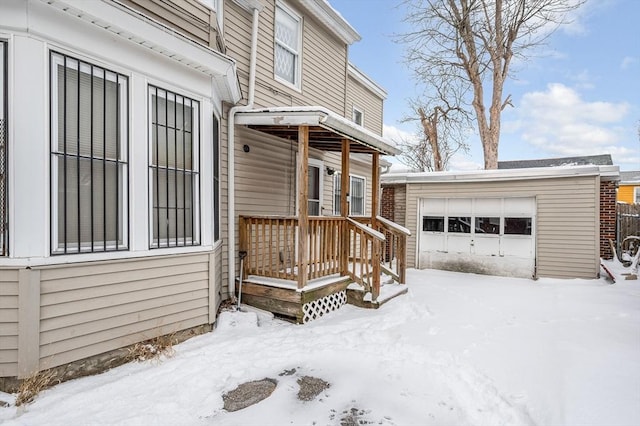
(336, 185)
(297, 76)
(636, 195)
(216, 225)
(4, 134)
(354, 113)
(320, 165)
(196, 238)
(57, 59)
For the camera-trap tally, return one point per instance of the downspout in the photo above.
(231, 195)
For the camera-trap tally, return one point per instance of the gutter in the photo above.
(231, 135)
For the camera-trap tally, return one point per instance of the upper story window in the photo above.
(174, 178)
(89, 146)
(4, 231)
(636, 195)
(358, 116)
(288, 40)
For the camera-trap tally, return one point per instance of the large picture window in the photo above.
(89, 145)
(174, 169)
(287, 45)
(4, 228)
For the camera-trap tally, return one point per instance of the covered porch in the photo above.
(305, 265)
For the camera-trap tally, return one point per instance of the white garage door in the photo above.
(484, 235)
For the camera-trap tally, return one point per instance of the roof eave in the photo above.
(136, 27)
(605, 172)
(315, 116)
(330, 17)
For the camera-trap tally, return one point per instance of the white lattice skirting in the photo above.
(319, 307)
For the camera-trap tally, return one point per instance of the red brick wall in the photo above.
(387, 210)
(387, 204)
(607, 217)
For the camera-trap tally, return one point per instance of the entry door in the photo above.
(314, 187)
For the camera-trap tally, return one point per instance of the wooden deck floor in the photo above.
(284, 299)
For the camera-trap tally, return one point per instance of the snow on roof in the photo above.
(502, 174)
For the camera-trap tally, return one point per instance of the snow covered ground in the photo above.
(458, 349)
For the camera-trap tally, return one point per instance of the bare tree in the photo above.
(441, 132)
(472, 43)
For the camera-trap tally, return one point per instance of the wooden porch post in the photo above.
(377, 245)
(303, 204)
(375, 189)
(344, 207)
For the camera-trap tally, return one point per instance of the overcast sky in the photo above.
(580, 95)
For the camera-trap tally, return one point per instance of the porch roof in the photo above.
(326, 128)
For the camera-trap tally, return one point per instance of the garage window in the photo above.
(487, 225)
(460, 224)
(433, 223)
(517, 226)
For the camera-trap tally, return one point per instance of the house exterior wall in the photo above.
(190, 17)
(362, 98)
(626, 193)
(8, 322)
(324, 59)
(265, 177)
(567, 243)
(607, 217)
(65, 307)
(88, 309)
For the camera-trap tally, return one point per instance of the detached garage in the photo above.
(542, 222)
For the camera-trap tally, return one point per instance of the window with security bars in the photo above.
(287, 45)
(4, 229)
(174, 169)
(89, 151)
(356, 195)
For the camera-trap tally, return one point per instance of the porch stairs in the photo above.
(319, 297)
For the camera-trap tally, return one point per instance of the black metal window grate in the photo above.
(4, 218)
(89, 150)
(174, 169)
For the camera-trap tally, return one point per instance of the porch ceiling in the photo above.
(326, 129)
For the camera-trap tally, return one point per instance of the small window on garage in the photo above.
(460, 224)
(487, 225)
(433, 223)
(517, 226)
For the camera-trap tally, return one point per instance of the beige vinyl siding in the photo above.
(189, 17)
(324, 60)
(366, 101)
(567, 221)
(88, 309)
(8, 322)
(400, 214)
(265, 176)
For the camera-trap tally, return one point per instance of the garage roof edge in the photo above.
(605, 172)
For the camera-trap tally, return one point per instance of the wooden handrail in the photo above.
(372, 232)
(392, 226)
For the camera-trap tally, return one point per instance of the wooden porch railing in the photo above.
(365, 254)
(270, 243)
(394, 248)
(336, 245)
